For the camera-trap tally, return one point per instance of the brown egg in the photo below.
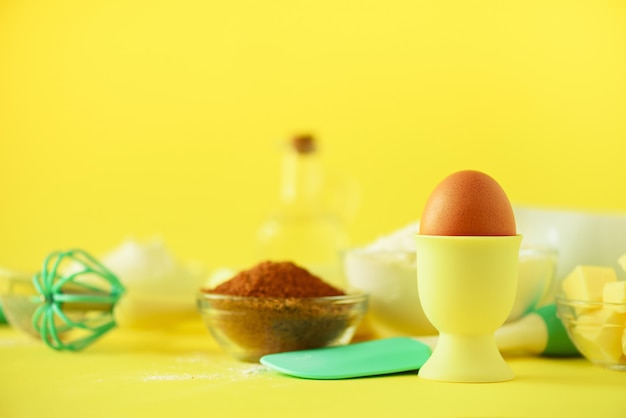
(468, 203)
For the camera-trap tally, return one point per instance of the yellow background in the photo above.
(163, 117)
(137, 118)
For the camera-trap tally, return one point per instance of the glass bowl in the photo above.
(389, 277)
(597, 329)
(19, 300)
(251, 327)
(84, 315)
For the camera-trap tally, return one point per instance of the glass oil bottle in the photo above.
(303, 229)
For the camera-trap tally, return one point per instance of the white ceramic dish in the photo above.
(390, 279)
(579, 237)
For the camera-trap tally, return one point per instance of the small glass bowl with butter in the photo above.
(592, 307)
(597, 329)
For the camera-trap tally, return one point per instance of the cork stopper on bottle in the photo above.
(303, 144)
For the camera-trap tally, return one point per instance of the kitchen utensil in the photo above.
(369, 358)
(538, 333)
(68, 309)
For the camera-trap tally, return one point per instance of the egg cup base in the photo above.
(466, 359)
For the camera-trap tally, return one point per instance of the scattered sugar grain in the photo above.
(232, 373)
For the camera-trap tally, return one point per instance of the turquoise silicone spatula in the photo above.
(538, 333)
(369, 358)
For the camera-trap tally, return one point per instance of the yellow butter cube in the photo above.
(587, 344)
(606, 316)
(624, 343)
(587, 282)
(601, 334)
(615, 292)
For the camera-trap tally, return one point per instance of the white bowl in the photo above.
(390, 279)
(591, 238)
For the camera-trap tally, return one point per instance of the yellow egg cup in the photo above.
(467, 287)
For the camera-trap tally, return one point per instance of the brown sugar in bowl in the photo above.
(265, 317)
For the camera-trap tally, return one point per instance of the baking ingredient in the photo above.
(279, 306)
(600, 334)
(587, 282)
(160, 288)
(277, 280)
(598, 330)
(385, 269)
(615, 292)
(400, 240)
(148, 267)
(468, 203)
